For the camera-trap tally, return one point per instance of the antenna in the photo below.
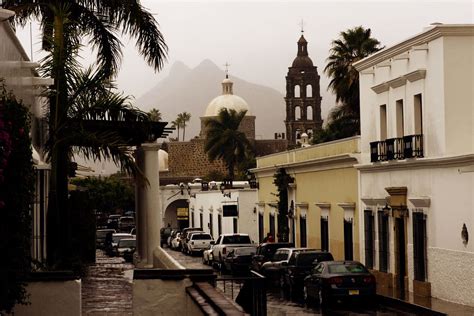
(302, 24)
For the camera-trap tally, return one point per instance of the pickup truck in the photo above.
(225, 243)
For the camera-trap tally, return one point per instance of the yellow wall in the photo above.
(316, 182)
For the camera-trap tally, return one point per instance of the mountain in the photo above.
(191, 90)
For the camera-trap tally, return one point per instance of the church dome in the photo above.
(302, 62)
(226, 101)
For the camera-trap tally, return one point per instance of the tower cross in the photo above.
(226, 65)
(302, 24)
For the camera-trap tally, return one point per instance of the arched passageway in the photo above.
(175, 208)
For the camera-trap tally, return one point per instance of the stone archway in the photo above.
(170, 215)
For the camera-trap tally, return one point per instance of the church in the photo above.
(188, 160)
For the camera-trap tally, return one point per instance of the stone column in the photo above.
(148, 204)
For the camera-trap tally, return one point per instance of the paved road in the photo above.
(278, 306)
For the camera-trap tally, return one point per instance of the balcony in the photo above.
(397, 148)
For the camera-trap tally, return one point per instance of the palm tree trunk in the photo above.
(184, 131)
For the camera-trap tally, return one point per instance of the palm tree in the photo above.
(225, 141)
(176, 124)
(184, 118)
(353, 45)
(64, 25)
(155, 115)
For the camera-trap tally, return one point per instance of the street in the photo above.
(276, 305)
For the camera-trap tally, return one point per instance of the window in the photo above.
(383, 122)
(272, 225)
(201, 224)
(211, 225)
(219, 224)
(419, 245)
(297, 91)
(260, 227)
(309, 91)
(348, 244)
(324, 234)
(303, 231)
(369, 238)
(383, 241)
(235, 224)
(399, 111)
(297, 113)
(309, 113)
(418, 115)
(192, 219)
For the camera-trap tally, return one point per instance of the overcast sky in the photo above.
(259, 39)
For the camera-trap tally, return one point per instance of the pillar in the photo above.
(148, 206)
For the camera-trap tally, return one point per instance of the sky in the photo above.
(258, 38)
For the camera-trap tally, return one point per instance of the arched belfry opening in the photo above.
(303, 99)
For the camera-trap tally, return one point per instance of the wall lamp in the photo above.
(226, 184)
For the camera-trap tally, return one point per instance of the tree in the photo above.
(352, 46)
(281, 180)
(64, 26)
(176, 124)
(183, 119)
(155, 115)
(225, 141)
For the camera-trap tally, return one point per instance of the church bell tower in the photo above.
(303, 99)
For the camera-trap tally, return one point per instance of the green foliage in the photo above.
(108, 195)
(182, 119)
(155, 115)
(16, 198)
(281, 180)
(214, 175)
(225, 141)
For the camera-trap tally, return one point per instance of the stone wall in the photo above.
(265, 147)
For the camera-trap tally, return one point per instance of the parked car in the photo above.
(171, 236)
(198, 242)
(175, 242)
(100, 237)
(125, 245)
(238, 260)
(225, 243)
(299, 266)
(331, 280)
(133, 231)
(272, 269)
(115, 239)
(126, 223)
(207, 256)
(265, 253)
(112, 221)
(184, 234)
(165, 232)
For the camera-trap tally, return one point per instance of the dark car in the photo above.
(238, 260)
(112, 221)
(272, 269)
(125, 246)
(331, 280)
(100, 237)
(126, 223)
(299, 266)
(265, 252)
(165, 232)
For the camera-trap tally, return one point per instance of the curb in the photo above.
(406, 306)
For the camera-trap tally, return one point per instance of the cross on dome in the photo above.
(226, 65)
(302, 24)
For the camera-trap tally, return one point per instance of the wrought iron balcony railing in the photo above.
(397, 148)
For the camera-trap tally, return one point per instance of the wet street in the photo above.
(107, 287)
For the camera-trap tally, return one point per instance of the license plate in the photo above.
(353, 292)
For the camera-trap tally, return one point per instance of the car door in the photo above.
(215, 253)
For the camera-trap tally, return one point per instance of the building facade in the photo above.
(303, 98)
(417, 170)
(322, 200)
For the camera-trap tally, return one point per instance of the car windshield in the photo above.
(307, 259)
(127, 243)
(236, 239)
(116, 239)
(244, 251)
(201, 237)
(345, 268)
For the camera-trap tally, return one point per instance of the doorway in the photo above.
(401, 271)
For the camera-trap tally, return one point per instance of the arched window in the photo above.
(297, 113)
(309, 91)
(297, 91)
(309, 113)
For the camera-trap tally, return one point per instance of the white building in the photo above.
(417, 171)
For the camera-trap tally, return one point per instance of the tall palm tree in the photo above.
(225, 141)
(64, 25)
(184, 118)
(155, 115)
(176, 124)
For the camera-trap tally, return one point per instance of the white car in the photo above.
(175, 241)
(198, 242)
(207, 256)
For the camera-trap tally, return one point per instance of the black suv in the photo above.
(165, 232)
(265, 252)
(299, 266)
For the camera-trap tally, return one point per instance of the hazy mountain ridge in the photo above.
(191, 90)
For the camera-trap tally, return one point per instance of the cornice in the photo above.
(302, 204)
(260, 203)
(419, 163)
(347, 206)
(423, 201)
(399, 81)
(323, 205)
(373, 201)
(419, 40)
(416, 75)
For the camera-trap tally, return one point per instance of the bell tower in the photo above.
(303, 99)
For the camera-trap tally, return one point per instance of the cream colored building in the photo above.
(417, 170)
(322, 200)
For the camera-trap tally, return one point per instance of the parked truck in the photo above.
(225, 243)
